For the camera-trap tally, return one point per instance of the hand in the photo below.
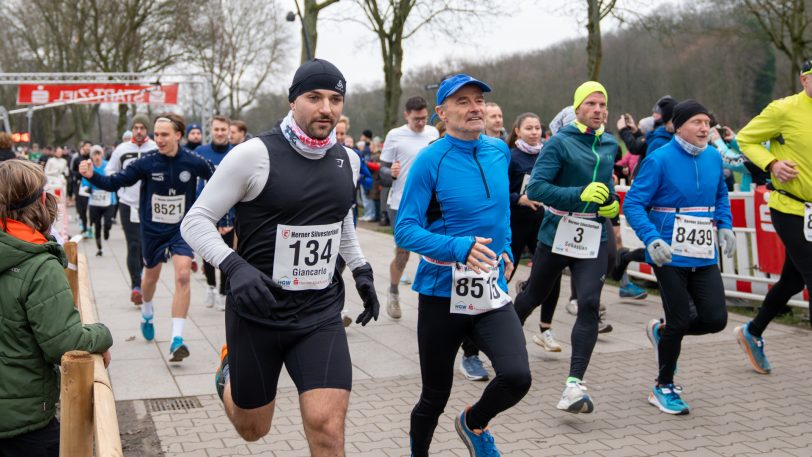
(611, 210)
(621, 123)
(480, 258)
(509, 268)
(595, 192)
(106, 358)
(395, 169)
(727, 240)
(86, 169)
(524, 201)
(728, 134)
(364, 284)
(660, 252)
(250, 288)
(784, 170)
(224, 230)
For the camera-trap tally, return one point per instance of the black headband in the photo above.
(28, 201)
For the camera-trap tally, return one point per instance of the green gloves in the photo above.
(595, 192)
(609, 210)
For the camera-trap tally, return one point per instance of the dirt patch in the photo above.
(138, 436)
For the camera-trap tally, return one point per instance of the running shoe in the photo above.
(393, 306)
(99, 253)
(147, 328)
(471, 367)
(753, 348)
(135, 296)
(211, 296)
(668, 400)
(520, 286)
(220, 302)
(478, 441)
(221, 376)
(405, 279)
(346, 319)
(603, 326)
(632, 290)
(572, 307)
(88, 233)
(178, 350)
(547, 341)
(575, 399)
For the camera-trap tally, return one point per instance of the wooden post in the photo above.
(76, 400)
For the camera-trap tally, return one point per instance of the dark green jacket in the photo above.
(38, 323)
(569, 161)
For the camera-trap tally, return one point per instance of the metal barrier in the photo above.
(86, 396)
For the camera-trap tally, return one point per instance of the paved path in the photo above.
(735, 411)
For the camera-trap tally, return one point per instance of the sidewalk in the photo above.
(734, 410)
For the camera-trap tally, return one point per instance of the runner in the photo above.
(102, 203)
(785, 124)
(124, 154)
(399, 150)
(194, 137)
(215, 152)
(293, 207)
(83, 194)
(494, 122)
(525, 145)
(168, 181)
(573, 178)
(455, 213)
(237, 132)
(678, 197)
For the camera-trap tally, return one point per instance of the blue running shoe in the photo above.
(632, 290)
(479, 442)
(667, 399)
(753, 348)
(221, 377)
(147, 329)
(178, 350)
(472, 368)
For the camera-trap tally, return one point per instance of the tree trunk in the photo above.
(594, 48)
(121, 125)
(392, 71)
(310, 32)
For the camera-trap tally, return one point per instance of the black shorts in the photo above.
(316, 358)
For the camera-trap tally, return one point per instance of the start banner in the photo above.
(41, 94)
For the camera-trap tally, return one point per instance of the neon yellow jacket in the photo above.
(789, 118)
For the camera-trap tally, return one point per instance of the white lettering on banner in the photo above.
(305, 255)
(808, 221)
(168, 210)
(578, 238)
(693, 236)
(475, 293)
(101, 198)
(766, 219)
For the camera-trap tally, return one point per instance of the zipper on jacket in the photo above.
(482, 173)
(597, 164)
(696, 168)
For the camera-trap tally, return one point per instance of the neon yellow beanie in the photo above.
(583, 91)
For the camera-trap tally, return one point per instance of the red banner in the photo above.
(40, 94)
(771, 250)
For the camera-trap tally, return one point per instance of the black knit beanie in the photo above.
(687, 109)
(316, 74)
(666, 105)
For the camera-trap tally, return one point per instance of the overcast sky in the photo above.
(522, 25)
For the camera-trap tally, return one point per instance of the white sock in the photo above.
(146, 309)
(177, 326)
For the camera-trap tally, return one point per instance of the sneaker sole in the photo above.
(473, 378)
(463, 436)
(746, 348)
(539, 341)
(180, 354)
(606, 329)
(639, 296)
(653, 400)
(393, 314)
(583, 405)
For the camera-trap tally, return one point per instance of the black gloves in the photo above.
(250, 288)
(366, 289)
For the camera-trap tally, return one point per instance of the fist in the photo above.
(86, 169)
(395, 169)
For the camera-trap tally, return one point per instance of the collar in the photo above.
(24, 232)
(465, 145)
(141, 143)
(688, 147)
(583, 128)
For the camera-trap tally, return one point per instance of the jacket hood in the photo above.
(660, 132)
(14, 251)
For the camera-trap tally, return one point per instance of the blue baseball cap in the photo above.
(454, 83)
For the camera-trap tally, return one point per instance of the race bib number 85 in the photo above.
(476, 293)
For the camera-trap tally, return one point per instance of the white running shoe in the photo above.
(393, 306)
(572, 307)
(575, 399)
(211, 297)
(345, 318)
(547, 341)
(220, 303)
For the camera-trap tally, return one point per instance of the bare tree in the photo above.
(310, 32)
(241, 44)
(786, 24)
(597, 10)
(396, 20)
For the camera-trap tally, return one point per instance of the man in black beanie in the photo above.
(293, 218)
